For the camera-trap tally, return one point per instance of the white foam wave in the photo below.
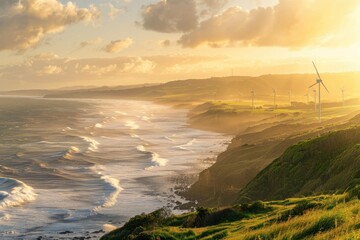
(4, 217)
(112, 187)
(98, 125)
(69, 154)
(141, 148)
(93, 144)
(169, 139)
(184, 146)
(132, 125)
(156, 160)
(15, 193)
(134, 136)
(121, 113)
(67, 129)
(145, 118)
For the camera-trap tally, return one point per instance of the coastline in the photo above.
(181, 180)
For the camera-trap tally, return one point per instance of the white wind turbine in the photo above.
(253, 99)
(274, 91)
(319, 82)
(307, 95)
(343, 96)
(315, 102)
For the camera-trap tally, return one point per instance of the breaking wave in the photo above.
(132, 125)
(155, 158)
(93, 144)
(15, 193)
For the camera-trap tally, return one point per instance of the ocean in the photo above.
(71, 167)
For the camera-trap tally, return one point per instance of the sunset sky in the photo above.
(56, 43)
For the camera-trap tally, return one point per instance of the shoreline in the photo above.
(181, 180)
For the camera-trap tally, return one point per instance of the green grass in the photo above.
(327, 164)
(306, 218)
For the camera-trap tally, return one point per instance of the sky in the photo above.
(58, 43)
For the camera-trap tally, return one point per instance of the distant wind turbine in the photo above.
(274, 91)
(253, 99)
(343, 96)
(307, 97)
(319, 82)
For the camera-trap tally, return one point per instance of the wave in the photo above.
(98, 125)
(145, 118)
(69, 154)
(132, 125)
(184, 146)
(156, 160)
(67, 129)
(112, 188)
(15, 193)
(93, 144)
(121, 113)
(169, 139)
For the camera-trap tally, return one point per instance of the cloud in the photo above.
(44, 72)
(170, 16)
(165, 43)
(24, 23)
(114, 11)
(90, 42)
(118, 45)
(50, 70)
(288, 24)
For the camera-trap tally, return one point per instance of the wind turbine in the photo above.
(343, 96)
(253, 99)
(274, 91)
(315, 102)
(319, 82)
(307, 97)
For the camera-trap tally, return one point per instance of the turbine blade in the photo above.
(313, 85)
(325, 86)
(316, 70)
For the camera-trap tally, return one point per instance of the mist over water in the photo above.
(71, 165)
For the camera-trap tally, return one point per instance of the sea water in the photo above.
(73, 167)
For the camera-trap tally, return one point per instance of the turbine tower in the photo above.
(343, 96)
(274, 91)
(315, 102)
(253, 99)
(290, 97)
(307, 97)
(319, 82)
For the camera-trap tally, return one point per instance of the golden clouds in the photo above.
(25, 23)
(118, 45)
(290, 23)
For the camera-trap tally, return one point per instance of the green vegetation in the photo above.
(320, 217)
(327, 164)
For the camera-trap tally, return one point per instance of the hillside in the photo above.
(327, 164)
(226, 88)
(256, 147)
(321, 217)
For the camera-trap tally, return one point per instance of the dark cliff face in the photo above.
(327, 164)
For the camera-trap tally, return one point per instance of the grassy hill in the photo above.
(257, 147)
(320, 217)
(327, 164)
